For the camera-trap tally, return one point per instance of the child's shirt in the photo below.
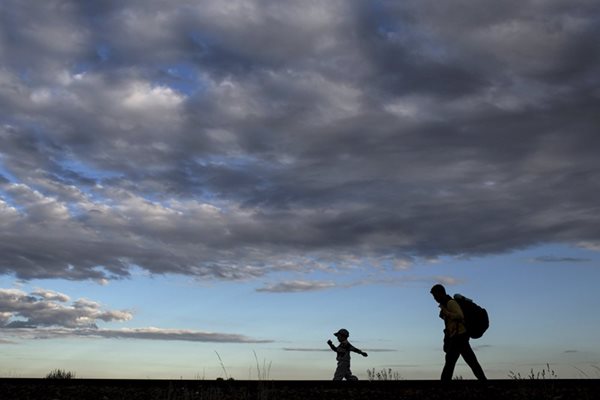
(343, 350)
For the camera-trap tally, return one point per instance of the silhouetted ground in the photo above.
(100, 389)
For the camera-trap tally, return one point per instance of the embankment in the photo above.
(101, 389)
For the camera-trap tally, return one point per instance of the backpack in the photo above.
(476, 317)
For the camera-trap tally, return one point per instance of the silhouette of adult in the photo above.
(456, 338)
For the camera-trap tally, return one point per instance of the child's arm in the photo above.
(330, 343)
(359, 351)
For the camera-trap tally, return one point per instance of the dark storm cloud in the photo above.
(229, 140)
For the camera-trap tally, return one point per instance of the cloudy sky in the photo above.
(189, 187)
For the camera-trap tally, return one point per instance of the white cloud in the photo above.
(143, 96)
(51, 295)
(43, 314)
(595, 246)
(46, 308)
(447, 280)
(296, 286)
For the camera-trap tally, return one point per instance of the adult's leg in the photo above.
(452, 354)
(470, 358)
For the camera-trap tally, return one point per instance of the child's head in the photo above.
(342, 334)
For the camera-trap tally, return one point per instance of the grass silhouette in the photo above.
(60, 374)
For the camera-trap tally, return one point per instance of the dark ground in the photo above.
(100, 389)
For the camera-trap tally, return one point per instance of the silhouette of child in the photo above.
(343, 356)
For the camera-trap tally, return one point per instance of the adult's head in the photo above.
(439, 293)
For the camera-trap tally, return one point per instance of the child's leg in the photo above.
(342, 371)
(351, 377)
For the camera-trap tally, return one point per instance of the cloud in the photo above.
(132, 333)
(170, 138)
(297, 286)
(594, 246)
(51, 295)
(304, 349)
(554, 259)
(327, 350)
(446, 280)
(43, 315)
(171, 334)
(45, 308)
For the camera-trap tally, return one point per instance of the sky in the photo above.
(202, 189)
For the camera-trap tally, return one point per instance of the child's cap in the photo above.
(342, 332)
